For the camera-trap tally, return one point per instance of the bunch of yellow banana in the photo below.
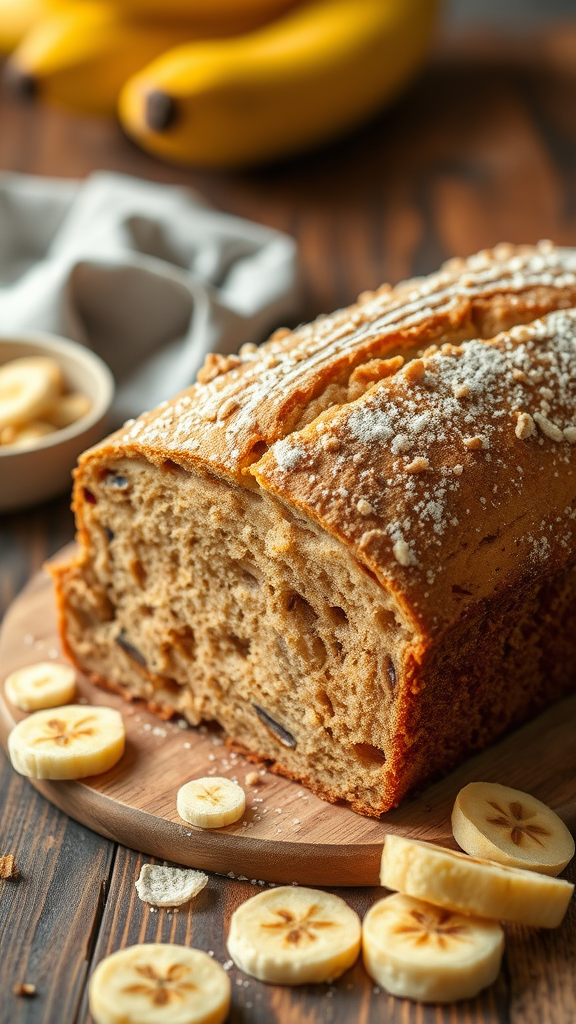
(218, 82)
(18, 16)
(80, 53)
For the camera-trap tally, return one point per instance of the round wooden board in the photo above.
(287, 834)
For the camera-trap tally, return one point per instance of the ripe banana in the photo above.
(18, 16)
(28, 388)
(71, 742)
(82, 54)
(294, 83)
(44, 685)
(418, 951)
(511, 827)
(159, 983)
(211, 802)
(294, 936)
(469, 885)
(241, 15)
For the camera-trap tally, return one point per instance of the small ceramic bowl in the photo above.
(31, 475)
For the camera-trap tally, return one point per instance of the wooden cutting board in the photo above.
(287, 834)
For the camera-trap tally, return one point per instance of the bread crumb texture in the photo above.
(353, 547)
(24, 988)
(8, 869)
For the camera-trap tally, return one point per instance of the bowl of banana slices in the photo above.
(55, 396)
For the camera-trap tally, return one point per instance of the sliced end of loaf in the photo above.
(295, 649)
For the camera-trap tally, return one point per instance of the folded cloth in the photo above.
(148, 276)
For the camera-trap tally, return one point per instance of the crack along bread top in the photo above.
(243, 404)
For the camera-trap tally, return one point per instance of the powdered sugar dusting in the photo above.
(254, 391)
(287, 454)
(368, 428)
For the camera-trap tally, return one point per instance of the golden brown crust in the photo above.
(58, 572)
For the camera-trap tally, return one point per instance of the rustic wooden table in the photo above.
(482, 149)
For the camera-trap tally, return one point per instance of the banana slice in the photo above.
(418, 951)
(294, 936)
(26, 437)
(71, 742)
(44, 363)
(511, 827)
(159, 983)
(68, 409)
(211, 802)
(469, 885)
(28, 387)
(44, 685)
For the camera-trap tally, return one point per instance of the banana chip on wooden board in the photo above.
(46, 684)
(211, 802)
(70, 742)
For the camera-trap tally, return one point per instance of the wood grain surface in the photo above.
(286, 833)
(482, 149)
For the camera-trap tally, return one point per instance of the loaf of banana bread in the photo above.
(353, 547)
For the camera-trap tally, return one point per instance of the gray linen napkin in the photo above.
(148, 276)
